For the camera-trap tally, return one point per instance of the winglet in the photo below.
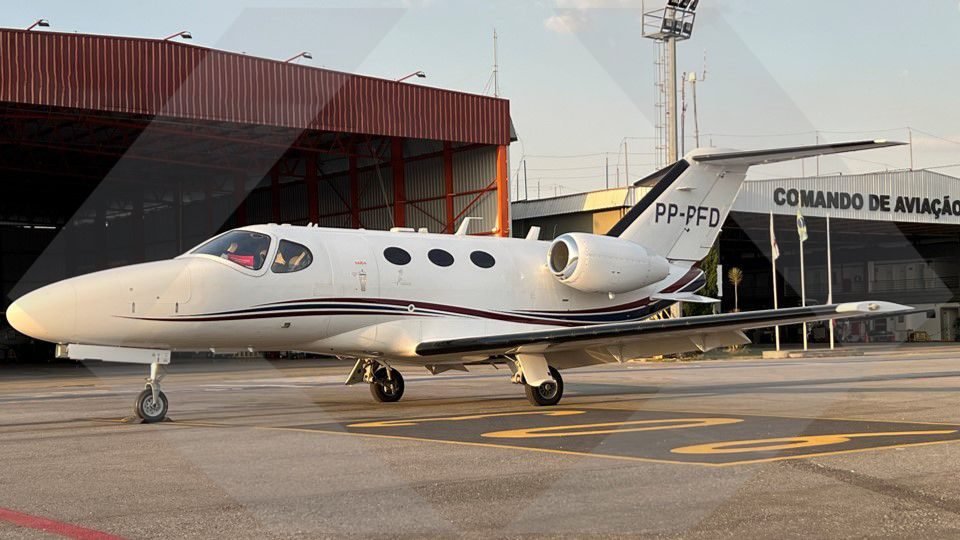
(872, 308)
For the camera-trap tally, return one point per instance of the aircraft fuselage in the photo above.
(469, 285)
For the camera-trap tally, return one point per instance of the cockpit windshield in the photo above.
(245, 248)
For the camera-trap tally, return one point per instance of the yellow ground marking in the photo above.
(791, 443)
(632, 459)
(418, 421)
(610, 427)
(598, 407)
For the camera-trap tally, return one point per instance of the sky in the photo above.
(580, 76)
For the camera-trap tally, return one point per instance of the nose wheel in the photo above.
(152, 405)
(149, 408)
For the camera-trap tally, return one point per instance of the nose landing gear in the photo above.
(151, 405)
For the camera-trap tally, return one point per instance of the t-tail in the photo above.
(681, 216)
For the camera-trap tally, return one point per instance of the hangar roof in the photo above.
(594, 201)
(169, 79)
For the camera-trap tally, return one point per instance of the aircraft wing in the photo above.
(694, 331)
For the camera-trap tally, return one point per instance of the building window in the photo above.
(396, 256)
(291, 257)
(483, 259)
(440, 257)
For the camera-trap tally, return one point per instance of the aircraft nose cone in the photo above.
(48, 314)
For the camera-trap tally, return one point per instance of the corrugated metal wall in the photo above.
(425, 180)
(475, 170)
(376, 191)
(334, 195)
(152, 77)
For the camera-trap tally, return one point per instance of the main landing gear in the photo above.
(386, 383)
(152, 405)
(541, 382)
(548, 393)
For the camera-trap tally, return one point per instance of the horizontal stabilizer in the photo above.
(686, 297)
(762, 157)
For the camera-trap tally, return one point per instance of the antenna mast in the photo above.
(496, 67)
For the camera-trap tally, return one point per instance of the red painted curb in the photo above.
(54, 527)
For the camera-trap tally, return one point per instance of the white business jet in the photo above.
(443, 302)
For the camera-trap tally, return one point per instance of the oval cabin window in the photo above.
(396, 256)
(483, 259)
(440, 257)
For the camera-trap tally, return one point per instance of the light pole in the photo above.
(667, 26)
(42, 23)
(181, 34)
(303, 54)
(418, 74)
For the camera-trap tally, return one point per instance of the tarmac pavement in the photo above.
(824, 447)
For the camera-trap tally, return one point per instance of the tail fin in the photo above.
(681, 216)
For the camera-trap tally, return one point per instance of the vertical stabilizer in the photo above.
(681, 216)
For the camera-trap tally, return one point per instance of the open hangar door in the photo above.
(103, 165)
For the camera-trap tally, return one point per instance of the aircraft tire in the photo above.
(384, 390)
(547, 394)
(147, 410)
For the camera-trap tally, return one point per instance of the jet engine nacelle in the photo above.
(604, 264)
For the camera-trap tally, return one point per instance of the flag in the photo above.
(801, 227)
(774, 248)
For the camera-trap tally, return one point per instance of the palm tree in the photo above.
(735, 275)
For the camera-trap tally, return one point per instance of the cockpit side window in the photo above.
(291, 257)
(245, 248)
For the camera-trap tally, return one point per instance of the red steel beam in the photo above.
(313, 190)
(354, 193)
(448, 185)
(399, 182)
(208, 207)
(503, 193)
(239, 197)
(119, 154)
(492, 186)
(275, 193)
(185, 130)
(139, 237)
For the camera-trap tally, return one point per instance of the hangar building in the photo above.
(894, 236)
(116, 150)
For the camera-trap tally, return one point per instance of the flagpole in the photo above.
(829, 279)
(774, 254)
(803, 290)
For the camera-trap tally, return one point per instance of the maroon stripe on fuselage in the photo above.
(517, 317)
(274, 315)
(680, 283)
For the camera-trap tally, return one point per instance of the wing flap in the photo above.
(701, 327)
